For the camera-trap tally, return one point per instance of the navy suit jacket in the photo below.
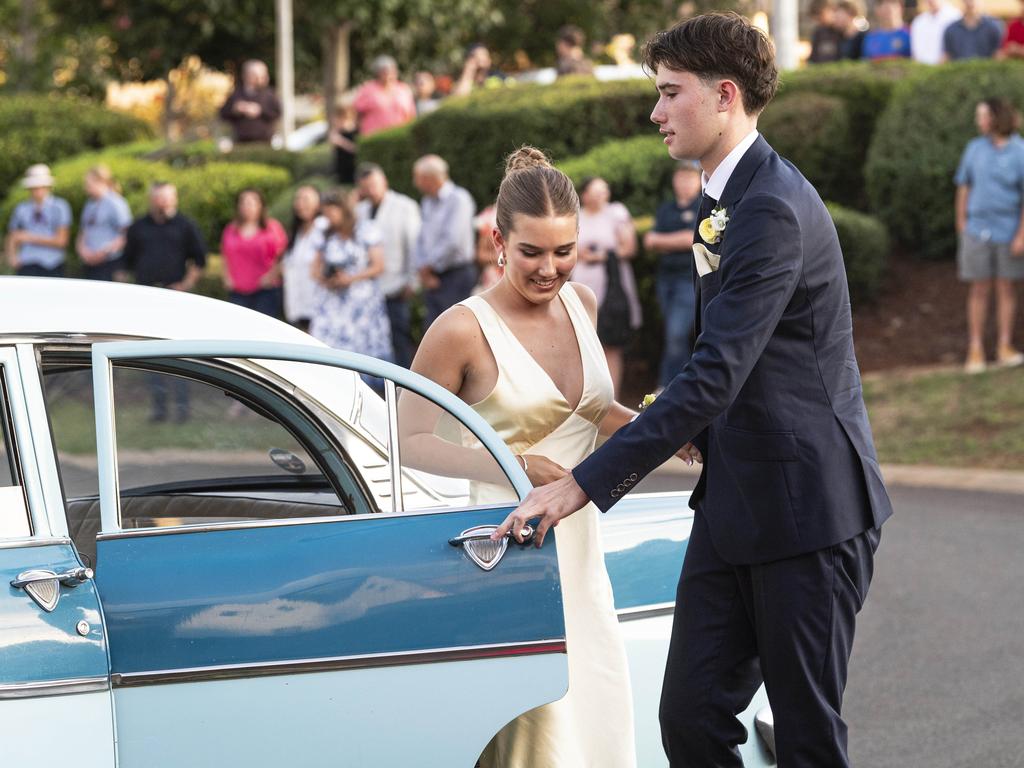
(772, 392)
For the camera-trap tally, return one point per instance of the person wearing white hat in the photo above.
(38, 230)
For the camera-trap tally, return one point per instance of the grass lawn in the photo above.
(948, 418)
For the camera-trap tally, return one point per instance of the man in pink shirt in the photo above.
(384, 101)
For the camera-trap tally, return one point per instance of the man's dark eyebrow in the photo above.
(663, 86)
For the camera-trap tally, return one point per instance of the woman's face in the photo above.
(306, 203)
(983, 119)
(334, 215)
(540, 254)
(249, 207)
(596, 195)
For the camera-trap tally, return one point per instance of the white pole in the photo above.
(285, 68)
(785, 20)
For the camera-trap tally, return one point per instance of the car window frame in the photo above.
(104, 356)
(226, 376)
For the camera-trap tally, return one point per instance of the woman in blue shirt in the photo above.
(990, 222)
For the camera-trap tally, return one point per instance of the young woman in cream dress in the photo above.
(526, 356)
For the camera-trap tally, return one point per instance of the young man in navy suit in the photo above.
(790, 500)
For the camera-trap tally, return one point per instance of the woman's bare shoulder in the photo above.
(588, 298)
(453, 330)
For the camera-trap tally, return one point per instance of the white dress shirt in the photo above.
(715, 185)
(398, 221)
(926, 31)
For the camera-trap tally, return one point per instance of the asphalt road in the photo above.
(937, 674)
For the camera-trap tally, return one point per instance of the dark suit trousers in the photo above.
(788, 622)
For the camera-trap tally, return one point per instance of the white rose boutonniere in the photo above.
(713, 227)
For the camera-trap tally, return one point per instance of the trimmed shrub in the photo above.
(866, 247)
(475, 134)
(309, 162)
(45, 129)
(206, 193)
(638, 171)
(918, 145)
(813, 132)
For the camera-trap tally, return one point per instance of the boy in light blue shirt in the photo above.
(38, 231)
(105, 220)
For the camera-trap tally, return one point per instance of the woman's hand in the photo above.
(541, 470)
(341, 280)
(690, 454)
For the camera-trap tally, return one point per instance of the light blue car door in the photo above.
(339, 603)
(55, 700)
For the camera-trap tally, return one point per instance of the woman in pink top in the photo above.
(252, 245)
(385, 101)
(607, 227)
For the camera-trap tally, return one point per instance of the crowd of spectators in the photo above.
(940, 32)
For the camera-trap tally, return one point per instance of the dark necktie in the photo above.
(707, 204)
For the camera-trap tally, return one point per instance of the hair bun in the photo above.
(526, 157)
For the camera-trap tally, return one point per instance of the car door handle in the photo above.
(70, 578)
(484, 533)
(43, 585)
(485, 552)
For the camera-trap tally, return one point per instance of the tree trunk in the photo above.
(168, 121)
(337, 63)
(27, 48)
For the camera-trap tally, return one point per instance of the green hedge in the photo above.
(918, 145)
(571, 117)
(45, 129)
(638, 171)
(475, 134)
(814, 133)
(316, 160)
(206, 193)
(866, 248)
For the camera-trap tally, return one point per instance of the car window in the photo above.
(196, 445)
(443, 463)
(13, 509)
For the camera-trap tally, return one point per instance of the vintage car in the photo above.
(216, 552)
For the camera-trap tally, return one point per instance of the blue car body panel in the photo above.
(36, 646)
(364, 585)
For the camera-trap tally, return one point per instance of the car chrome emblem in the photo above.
(482, 551)
(46, 593)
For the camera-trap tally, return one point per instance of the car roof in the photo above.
(31, 306)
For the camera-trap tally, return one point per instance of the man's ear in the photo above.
(728, 95)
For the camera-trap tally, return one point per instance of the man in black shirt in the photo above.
(165, 249)
(671, 239)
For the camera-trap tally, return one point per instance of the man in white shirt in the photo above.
(398, 220)
(927, 29)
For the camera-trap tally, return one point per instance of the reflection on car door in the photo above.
(353, 634)
(53, 655)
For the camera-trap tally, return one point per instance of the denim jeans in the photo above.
(676, 299)
(401, 336)
(265, 300)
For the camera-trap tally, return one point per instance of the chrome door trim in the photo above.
(337, 663)
(130, 533)
(102, 366)
(394, 454)
(64, 687)
(25, 446)
(646, 611)
(42, 541)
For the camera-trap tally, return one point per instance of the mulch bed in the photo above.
(920, 319)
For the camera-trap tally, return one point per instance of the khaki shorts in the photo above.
(979, 259)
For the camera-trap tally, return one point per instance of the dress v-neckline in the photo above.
(537, 365)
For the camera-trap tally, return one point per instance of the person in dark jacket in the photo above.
(253, 107)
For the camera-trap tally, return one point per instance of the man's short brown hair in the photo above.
(719, 45)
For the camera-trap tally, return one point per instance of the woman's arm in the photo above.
(625, 235)
(962, 193)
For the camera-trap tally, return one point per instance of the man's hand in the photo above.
(1017, 246)
(428, 279)
(550, 503)
(689, 453)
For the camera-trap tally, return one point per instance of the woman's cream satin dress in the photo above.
(592, 726)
